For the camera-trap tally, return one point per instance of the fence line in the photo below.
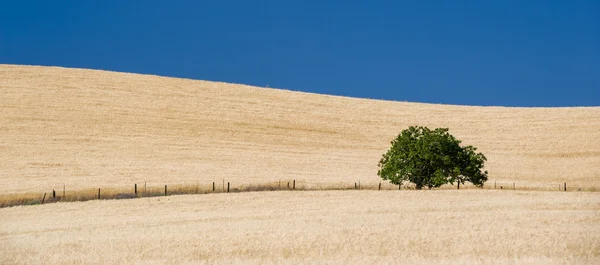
(153, 190)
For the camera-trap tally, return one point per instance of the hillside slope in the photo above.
(89, 128)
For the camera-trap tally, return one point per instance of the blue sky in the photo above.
(508, 53)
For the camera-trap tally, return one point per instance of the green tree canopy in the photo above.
(431, 158)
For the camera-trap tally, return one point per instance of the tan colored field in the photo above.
(90, 129)
(95, 129)
(339, 227)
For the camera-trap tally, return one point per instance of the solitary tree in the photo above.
(431, 158)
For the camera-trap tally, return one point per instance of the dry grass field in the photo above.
(98, 129)
(90, 129)
(333, 227)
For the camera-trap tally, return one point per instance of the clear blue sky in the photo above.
(509, 53)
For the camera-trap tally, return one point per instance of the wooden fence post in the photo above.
(399, 186)
(98, 193)
(53, 194)
(213, 186)
(227, 187)
(145, 190)
(43, 199)
(64, 192)
(458, 187)
(359, 184)
(135, 189)
(294, 186)
(165, 190)
(379, 185)
(354, 185)
(565, 186)
(288, 185)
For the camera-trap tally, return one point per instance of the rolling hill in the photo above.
(91, 128)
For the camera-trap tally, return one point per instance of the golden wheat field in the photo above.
(317, 227)
(89, 129)
(96, 129)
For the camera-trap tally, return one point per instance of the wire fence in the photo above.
(146, 189)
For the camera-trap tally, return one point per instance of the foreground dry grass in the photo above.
(310, 226)
(96, 129)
